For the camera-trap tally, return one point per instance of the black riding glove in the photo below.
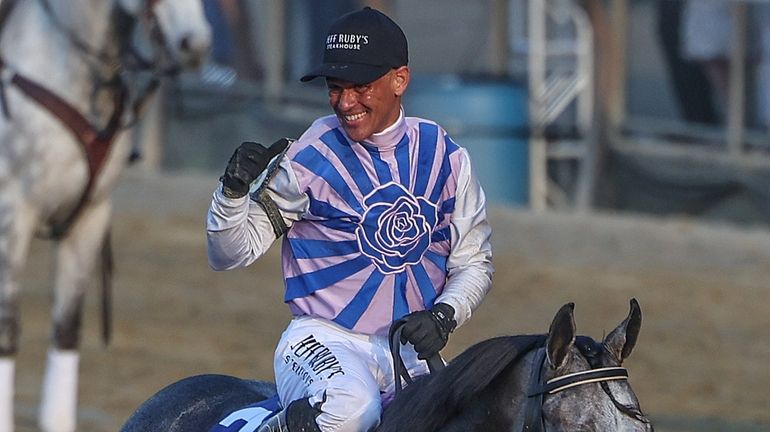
(246, 164)
(429, 330)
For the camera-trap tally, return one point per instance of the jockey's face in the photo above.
(365, 109)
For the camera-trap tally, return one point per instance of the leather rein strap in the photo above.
(95, 143)
(435, 363)
(533, 414)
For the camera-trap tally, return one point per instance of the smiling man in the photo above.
(383, 219)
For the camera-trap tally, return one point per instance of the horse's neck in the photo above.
(520, 378)
(39, 48)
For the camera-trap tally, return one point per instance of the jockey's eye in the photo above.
(362, 88)
(359, 89)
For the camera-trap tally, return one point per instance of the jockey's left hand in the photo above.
(246, 164)
(429, 330)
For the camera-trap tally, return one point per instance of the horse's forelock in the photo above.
(590, 349)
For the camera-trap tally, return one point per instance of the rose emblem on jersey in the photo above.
(396, 227)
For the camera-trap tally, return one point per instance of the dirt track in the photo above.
(700, 363)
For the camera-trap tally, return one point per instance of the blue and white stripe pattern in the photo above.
(375, 241)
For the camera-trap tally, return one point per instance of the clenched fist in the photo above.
(246, 164)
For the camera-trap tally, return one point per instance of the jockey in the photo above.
(382, 218)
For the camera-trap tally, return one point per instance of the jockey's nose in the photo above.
(348, 99)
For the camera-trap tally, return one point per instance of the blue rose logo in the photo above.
(395, 228)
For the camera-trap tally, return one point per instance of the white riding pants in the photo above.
(347, 372)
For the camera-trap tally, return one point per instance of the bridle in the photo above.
(108, 67)
(94, 140)
(538, 388)
(128, 56)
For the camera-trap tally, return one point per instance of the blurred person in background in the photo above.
(692, 87)
(233, 54)
(708, 32)
(220, 68)
(383, 219)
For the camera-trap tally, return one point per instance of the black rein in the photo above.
(435, 363)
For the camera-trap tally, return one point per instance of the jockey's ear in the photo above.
(620, 342)
(400, 80)
(561, 336)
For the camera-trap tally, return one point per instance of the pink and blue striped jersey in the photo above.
(374, 242)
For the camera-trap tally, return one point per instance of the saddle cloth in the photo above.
(248, 418)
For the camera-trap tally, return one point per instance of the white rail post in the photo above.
(538, 158)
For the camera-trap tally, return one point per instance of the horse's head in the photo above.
(588, 388)
(177, 29)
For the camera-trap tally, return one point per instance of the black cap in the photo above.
(362, 46)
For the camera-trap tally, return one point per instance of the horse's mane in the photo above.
(433, 399)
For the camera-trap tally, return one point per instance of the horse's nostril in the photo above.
(185, 45)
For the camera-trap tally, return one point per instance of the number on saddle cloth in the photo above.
(248, 418)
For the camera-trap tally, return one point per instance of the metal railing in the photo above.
(560, 57)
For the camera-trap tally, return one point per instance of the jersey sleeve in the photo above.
(469, 264)
(238, 230)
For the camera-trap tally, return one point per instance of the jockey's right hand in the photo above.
(246, 164)
(428, 331)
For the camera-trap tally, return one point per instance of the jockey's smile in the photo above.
(366, 109)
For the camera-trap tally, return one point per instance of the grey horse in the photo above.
(73, 76)
(558, 382)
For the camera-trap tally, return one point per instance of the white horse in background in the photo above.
(70, 73)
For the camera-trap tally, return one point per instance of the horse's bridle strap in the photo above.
(564, 382)
(94, 142)
(533, 414)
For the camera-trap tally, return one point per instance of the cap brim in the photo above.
(355, 73)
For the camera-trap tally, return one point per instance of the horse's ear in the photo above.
(620, 342)
(561, 336)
